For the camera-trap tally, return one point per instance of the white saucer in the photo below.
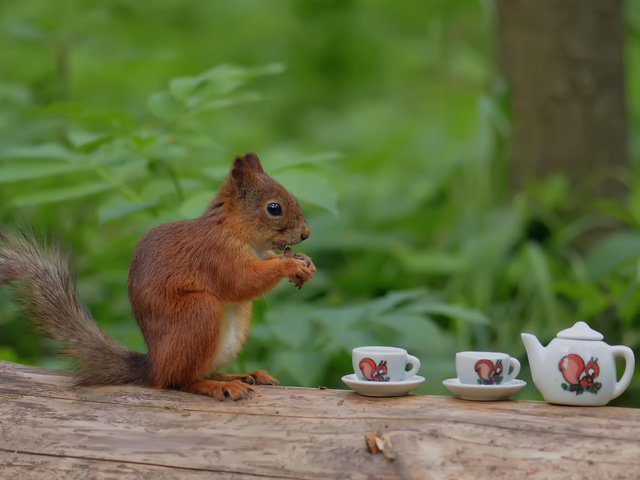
(483, 392)
(382, 389)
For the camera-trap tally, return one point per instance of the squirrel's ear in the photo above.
(241, 175)
(254, 162)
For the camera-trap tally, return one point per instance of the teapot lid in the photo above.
(580, 331)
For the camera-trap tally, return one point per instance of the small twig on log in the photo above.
(379, 443)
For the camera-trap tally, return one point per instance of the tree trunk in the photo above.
(563, 61)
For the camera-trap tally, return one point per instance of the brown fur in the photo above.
(190, 284)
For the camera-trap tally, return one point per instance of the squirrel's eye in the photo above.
(274, 209)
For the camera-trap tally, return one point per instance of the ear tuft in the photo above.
(241, 175)
(254, 162)
(238, 170)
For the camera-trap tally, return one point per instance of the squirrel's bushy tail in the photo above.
(47, 292)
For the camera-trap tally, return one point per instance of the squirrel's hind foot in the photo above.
(262, 377)
(220, 390)
(257, 377)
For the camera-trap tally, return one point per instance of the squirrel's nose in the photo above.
(305, 233)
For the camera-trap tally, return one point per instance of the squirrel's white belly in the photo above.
(233, 333)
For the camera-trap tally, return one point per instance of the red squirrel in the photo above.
(191, 286)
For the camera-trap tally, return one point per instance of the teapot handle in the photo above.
(629, 360)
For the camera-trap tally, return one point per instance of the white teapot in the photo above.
(577, 367)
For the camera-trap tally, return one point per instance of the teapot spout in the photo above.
(535, 353)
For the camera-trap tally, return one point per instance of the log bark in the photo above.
(50, 430)
(563, 61)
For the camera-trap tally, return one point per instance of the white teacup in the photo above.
(383, 364)
(486, 368)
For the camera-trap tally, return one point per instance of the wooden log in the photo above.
(24, 466)
(48, 428)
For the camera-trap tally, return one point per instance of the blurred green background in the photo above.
(389, 120)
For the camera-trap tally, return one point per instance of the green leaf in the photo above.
(218, 172)
(306, 368)
(349, 339)
(290, 324)
(394, 300)
(282, 159)
(611, 252)
(143, 140)
(118, 207)
(312, 188)
(14, 93)
(540, 276)
(8, 354)
(195, 205)
(448, 310)
(60, 194)
(199, 105)
(90, 116)
(87, 141)
(431, 262)
(222, 79)
(198, 139)
(183, 87)
(31, 171)
(45, 151)
(417, 333)
(162, 105)
(129, 169)
(343, 318)
(268, 69)
(159, 188)
(225, 78)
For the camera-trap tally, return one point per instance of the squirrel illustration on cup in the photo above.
(372, 371)
(488, 372)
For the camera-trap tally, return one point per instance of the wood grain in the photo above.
(51, 429)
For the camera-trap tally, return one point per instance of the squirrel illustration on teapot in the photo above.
(580, 376)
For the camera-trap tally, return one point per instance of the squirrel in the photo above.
(576, 373)
(191, 285)
(488, 373)
(373, 372)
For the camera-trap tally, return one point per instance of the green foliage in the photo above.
(387, 120)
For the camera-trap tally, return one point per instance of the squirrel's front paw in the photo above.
(302, 275)
(298, 272)
(306, 260)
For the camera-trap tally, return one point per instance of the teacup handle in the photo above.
(515, 370)
(629, 363)
(415, 366)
